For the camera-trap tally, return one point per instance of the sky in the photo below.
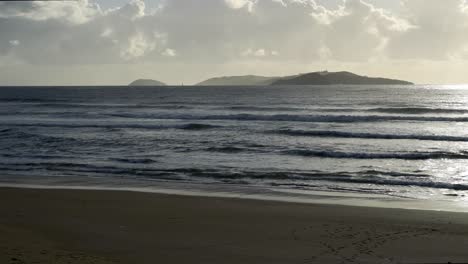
(113, 42)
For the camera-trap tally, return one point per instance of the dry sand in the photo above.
(71, 226)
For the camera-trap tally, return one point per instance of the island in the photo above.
(146, 82)
(239, 80)
(343, 77)
(313, 78)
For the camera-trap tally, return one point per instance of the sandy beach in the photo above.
(83, 226)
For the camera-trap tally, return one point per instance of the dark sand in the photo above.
(65, 226)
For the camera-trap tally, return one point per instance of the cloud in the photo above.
(56, 37)
(357, 31)
(438, 30)
(169, 53)
(237, 4)
(231, 32)
(137, 46)
(14, 42)
(133, 10)
(210, 30)
(255, 53)
(79, 11)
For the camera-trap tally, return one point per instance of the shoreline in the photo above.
(260, 193)
(104, 227)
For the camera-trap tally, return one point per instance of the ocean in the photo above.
(391, 141)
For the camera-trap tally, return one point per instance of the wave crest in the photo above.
(364, 155)
(296, 118)
(341, 134)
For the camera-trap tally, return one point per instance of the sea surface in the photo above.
(395, 141)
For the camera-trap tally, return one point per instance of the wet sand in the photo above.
(84, 226)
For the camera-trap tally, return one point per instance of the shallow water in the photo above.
(394, 141)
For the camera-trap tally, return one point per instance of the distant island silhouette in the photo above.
(312, 78)
(328, 78)
(239, 80)
(146, 82)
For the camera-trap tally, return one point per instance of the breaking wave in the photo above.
(277, 178)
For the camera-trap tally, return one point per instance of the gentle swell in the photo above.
(190, 126)
(297, 118)
(363, 155)
(278, 118)
(194, 126)
(345, 155)
(135, 160)
(263, 108)
(340, 134)
(418, 110)
(29, 100)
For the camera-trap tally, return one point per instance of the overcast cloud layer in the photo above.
(186, 41)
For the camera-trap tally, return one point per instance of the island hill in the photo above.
(146, 82)
(313, 78)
